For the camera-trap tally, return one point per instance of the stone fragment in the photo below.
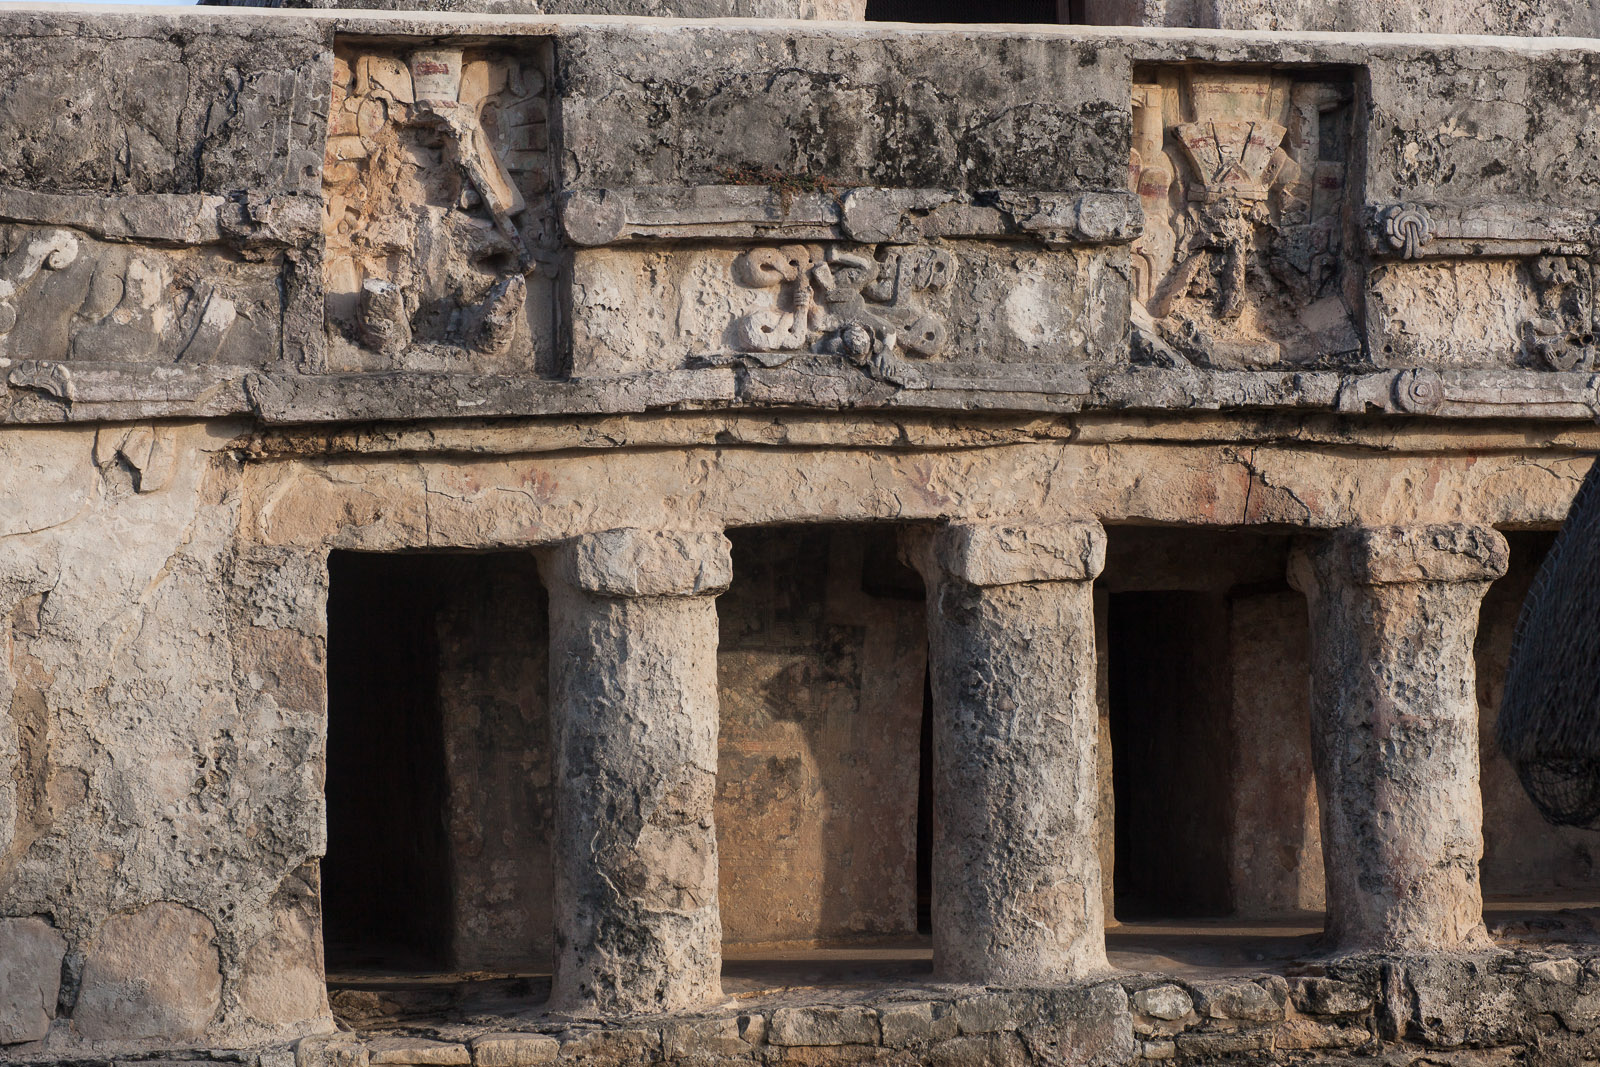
(417, 1051)
(610, 1048)
(1310, 1034)
(1222, 1043)
(753, 1029)
(335, 1050)
(1167, 1002)
(1561, 971)
(914, 1025)
(514, 1050)
(703, 1037)
(1081, 1027)
(979, 1050)
(990, 1013)
(150, 974)
(1328, 996)
(1241, 1001)
(1160, 1049)
(30, 978)
(824, 1026)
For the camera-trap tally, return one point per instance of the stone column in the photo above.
(1394, 613)
(633, 696)
(1016, 866)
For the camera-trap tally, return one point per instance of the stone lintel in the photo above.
(1446, 552)
(631, 562)
(1009, 554)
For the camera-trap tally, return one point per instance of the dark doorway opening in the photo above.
(385, 879)
(951, 11)
(438, 778)
(1170, 696)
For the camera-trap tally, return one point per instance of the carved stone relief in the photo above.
(1561, 336)
(1242, 176)
(859, 303)
(439, 226)
(67, 296)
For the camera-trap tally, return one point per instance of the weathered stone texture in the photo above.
(30, 978)
(634, 705)
(152, 973)
(701, 106)
(1016, 874)
(1394, 613)
(1572, 18)
(821, 660)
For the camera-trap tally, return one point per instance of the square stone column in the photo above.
(633, 688)
(1011, 644)
(1394, 614)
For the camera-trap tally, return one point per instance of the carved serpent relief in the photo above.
(859, 303)
(1242, 176)
(438, 214)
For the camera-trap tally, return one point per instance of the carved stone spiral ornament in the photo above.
(1418, 391)
(1409, 227)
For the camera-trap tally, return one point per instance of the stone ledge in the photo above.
(1012, 554)
(648, 563)
(1444, 1009)
(1453, 552)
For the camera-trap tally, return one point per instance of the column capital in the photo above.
(1405, 555)
(994, 554)
(632, 562)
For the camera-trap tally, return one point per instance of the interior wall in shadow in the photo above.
(821, 673)
(438, 781)
(1523, 856)
(1169, 693)
(385, 878)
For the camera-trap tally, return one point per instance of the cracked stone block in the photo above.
(1329, 996)
(514, 1050)
(417, 1051)
(150, 974)
(824, 1026)
(30, 978)
(1167, 1002)
(903, 1025)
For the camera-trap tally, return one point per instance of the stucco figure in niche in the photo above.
(438, 221)
(1242, 178)
(873, 307)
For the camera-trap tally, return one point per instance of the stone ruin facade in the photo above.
(530, 538)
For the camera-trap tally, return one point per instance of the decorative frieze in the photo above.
(438, 217)
(1242, 177)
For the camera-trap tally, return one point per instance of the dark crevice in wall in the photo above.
(385, 883)
(1170, 698)
(952, 11)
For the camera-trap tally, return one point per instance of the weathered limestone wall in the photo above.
(1518, 18)
(161, 747)
(821, 670)
(844, 10)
